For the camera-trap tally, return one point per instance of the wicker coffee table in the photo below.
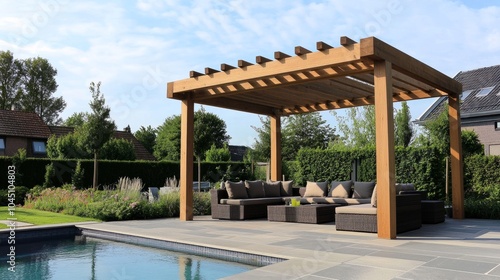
(308, 213)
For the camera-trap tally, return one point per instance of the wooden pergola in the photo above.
(370, 72)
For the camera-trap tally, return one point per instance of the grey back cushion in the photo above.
(255, 189)
(236, 190)
(286, 188)
(363, 189)
(316, 189)
(340, 189)
(272, 189)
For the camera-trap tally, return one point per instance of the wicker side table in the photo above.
(432, 211)
(308, 213)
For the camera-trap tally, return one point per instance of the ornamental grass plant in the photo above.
(121, 202)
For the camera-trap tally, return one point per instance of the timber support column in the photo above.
(456, 156)
(187, 147)
(384, 121)
(275, 148)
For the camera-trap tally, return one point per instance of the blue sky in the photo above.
(135, 47)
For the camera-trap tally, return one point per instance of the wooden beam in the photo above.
(194, 74)
(373, 48)
(239, 105)
(301, 50)
(322, 46)
(187, 146)
(384, 135)
(296, 64)
(260, 59)
(275, 148)
(209, 71)
(242, 63)
(226, 67)
(280, 55)
(346, 41)
(457, 181)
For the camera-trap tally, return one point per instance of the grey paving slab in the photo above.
(355, 272)
(495, 271)
(461, 265)
(426, 273)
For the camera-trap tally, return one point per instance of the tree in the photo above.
(305, 131)
(99, 127)
(208, 129)
(39, 86)
(218, 154)
(11, 77)
(76, 120)
(357, 128)
(117, 149)
(262, 145)
(168, 140)
(403, 127)
(299, 131)
(147, 137)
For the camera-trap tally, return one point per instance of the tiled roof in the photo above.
(61, 130)
(22, 124)
(472, 105)
(140, 152)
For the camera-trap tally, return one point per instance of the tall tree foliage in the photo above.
(209, 130)
(39, 86)
(76, 119)
(168, 140)
(403, 130)
(99, 127)
(11, 78)
(147, 137)
(357, 127)
(305, 131)
(298, 131)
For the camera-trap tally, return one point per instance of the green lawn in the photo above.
(38, 217)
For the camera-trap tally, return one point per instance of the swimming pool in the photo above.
(91, 258)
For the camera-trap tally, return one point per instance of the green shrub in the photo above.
(482, 208)
(77, 179)
(49, 173)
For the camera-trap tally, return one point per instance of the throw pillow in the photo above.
(236, 190)
(255, 189)
(316, 189)
(363, 189)
(286, 188)
(341, 189)
(272, 189)
(374, 197)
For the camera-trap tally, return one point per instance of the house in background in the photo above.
(480, 106)
(23, 130)
(27, 130)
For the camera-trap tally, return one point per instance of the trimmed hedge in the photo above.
(152, 173)
(482, 176)
(425, 167)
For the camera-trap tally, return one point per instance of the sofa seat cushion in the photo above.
(334, 200)
(252, 201)
(363, 209)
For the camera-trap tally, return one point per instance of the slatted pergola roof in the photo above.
(330, 78)
(353, 74)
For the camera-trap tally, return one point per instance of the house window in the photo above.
(497, 125)
(484, 91)
(39, 147)
(2, 144)
(465, 94)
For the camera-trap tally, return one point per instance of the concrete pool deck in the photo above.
(455, 249)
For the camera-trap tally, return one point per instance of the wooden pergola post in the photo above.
(386, 193)
(275, 147)
(457, 181)
(187, 147)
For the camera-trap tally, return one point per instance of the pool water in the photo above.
(90, 258)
